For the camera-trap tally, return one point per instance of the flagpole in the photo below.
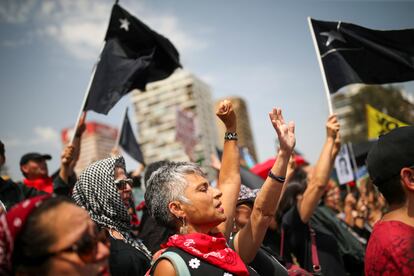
(85, 97)
(325, 83)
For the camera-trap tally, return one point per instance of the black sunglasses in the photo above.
(121, 183)
(87, 246)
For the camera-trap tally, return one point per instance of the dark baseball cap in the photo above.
(392, 152)
(34, 156)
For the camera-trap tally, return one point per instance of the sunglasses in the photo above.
(121, 183)
(87, 246)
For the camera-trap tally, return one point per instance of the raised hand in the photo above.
(285, 132)
(332, 127)
(66, 159)
(67, 155)
(81, 126)
(115, 151)
(226, 114)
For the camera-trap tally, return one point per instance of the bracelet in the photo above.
(230, 136)
(280, 179)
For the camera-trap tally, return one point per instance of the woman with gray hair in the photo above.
(105, 192)
(179, 196)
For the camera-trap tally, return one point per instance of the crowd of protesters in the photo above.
(300, 221)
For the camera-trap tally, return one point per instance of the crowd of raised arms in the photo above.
(300, 221)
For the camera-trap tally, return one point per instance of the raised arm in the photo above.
(229, 176)
(317, 183)
(248, 240)
(290, 171)
(63, 184)
(77, 143)
(65, 160)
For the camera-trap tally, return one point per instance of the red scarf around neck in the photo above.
(210, 248)
(42, 184)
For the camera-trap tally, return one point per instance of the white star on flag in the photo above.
(124, 24)
(333, 35)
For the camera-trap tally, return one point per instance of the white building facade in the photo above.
(155, 114)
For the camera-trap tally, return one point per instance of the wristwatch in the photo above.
(230, 136)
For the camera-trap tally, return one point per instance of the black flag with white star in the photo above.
(128, 142)
(133, 56)
(354, 54)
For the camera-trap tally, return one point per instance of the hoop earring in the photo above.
(184, 227)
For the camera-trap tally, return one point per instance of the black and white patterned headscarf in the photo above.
(97, 193)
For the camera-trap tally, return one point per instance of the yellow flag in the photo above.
(380, 123)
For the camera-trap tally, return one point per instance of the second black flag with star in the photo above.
(133, 56)
(354, 54)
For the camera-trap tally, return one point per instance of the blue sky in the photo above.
(259, 50)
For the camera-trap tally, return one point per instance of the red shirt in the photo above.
(390, 249)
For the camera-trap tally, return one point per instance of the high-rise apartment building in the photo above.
(155, 114)
(244, 132)
(97, 142)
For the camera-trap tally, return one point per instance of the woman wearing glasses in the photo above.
(105, 192)
(51, 236)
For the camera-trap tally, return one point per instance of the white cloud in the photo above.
(47, 8)
(169, 26)
(79, 26)
(82, 39)
(46, 135)
(12, 11)
(41, 135)
(74, 26)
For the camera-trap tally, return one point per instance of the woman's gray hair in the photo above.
(168, 184)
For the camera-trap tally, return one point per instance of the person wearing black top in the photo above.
(104, 191)
(126, 260)
(297, 240)
(12, 193)
(267, 260)
(298, 205)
